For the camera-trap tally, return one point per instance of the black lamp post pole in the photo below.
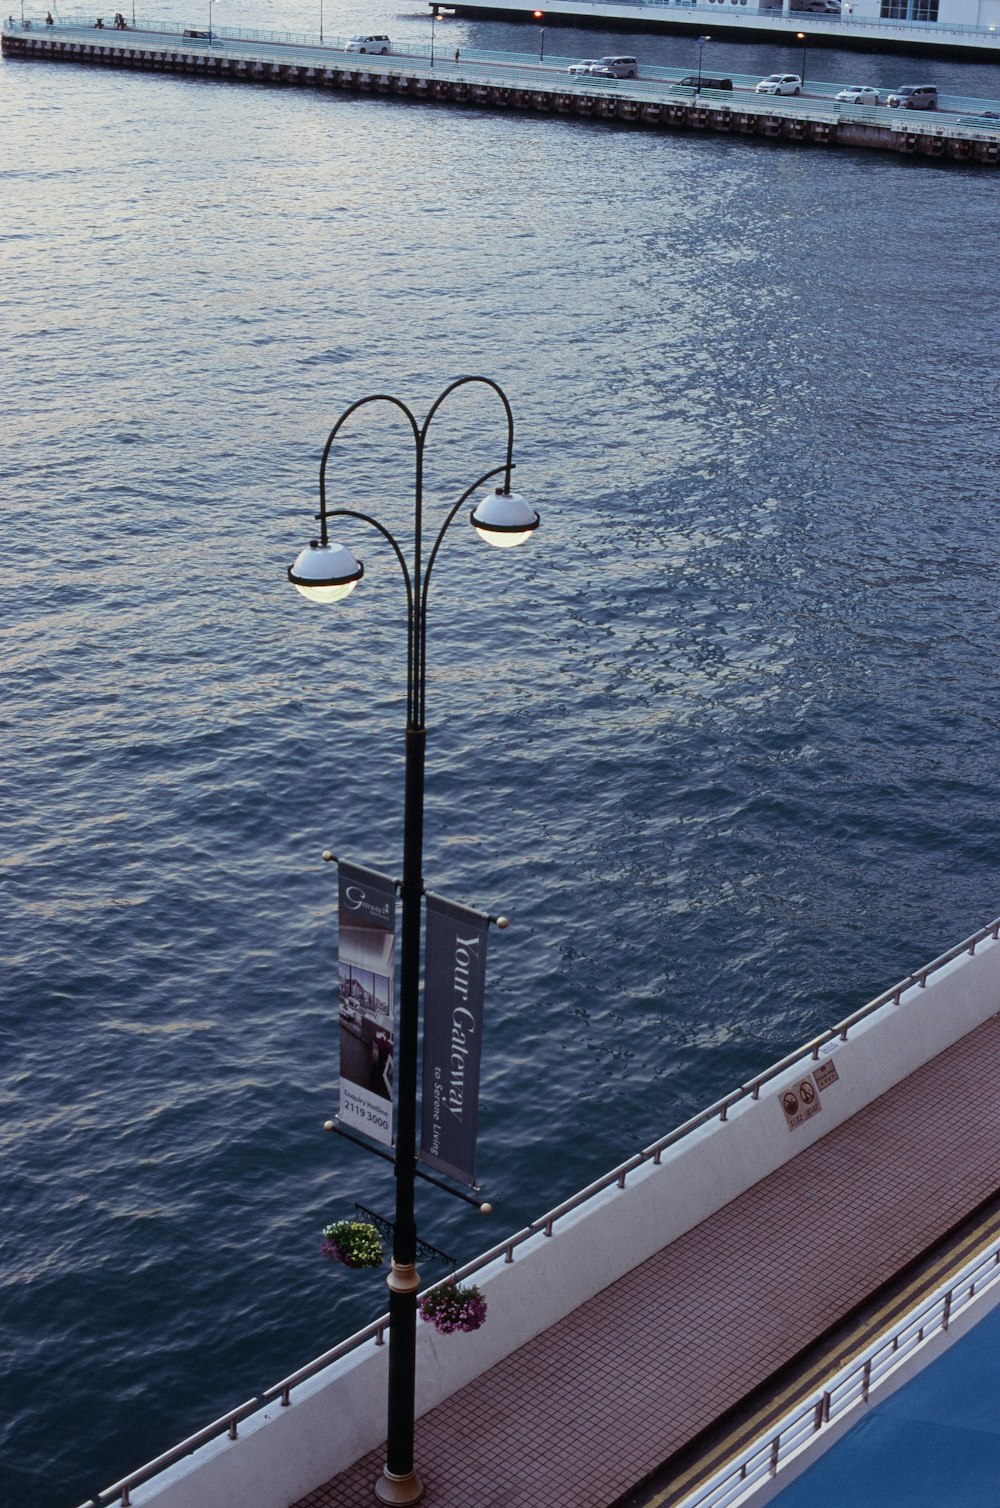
(399, 1483)
(701, 48)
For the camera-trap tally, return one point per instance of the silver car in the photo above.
(615, 68)
(376, 42)
(914, 97)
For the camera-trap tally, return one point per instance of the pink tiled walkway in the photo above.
(588, 1409)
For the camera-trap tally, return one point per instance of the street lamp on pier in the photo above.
(539, 15)
(327, 572)
(802, 71)
(434, 16)
(701, 49)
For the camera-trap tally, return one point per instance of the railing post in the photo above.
(775, 1456)
(866, 1379)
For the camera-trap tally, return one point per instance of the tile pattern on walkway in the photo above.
(589, 1408)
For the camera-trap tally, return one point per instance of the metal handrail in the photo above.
(855, 1384)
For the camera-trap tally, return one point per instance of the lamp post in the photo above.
(701, 48)
(327, 572)
(805, 43)
(539, 15)
(434, 16)
(321, 20)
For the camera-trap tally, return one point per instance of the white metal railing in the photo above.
(229, 1423)
(851, 1387)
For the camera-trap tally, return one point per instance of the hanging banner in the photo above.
(454, 981)
(367, 968)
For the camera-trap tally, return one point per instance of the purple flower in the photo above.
(451, 1307)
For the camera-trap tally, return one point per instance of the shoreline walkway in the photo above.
(608, 1398)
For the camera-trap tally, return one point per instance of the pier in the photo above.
(654, 103)
(706, 1316)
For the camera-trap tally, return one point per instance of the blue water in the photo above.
(722, 740)
(932, 1443)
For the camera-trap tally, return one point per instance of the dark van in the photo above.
(705, 82)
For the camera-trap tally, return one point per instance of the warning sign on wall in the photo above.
(801, 1102)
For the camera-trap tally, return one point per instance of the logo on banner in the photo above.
(455, 977)
(367, 972)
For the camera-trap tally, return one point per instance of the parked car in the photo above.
(859, 94)
(817, 7)
(585, 67)
(705, 82)
(914, 97)
(780, 83)
(378, 42)
(615, 68)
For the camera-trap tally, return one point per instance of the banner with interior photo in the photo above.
(367, 970)
(454, 992)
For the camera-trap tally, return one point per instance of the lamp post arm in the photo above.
(366, 518)
(361, 402)
(422, 632)
(487, 382)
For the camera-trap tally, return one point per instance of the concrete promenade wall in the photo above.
(333, 1419)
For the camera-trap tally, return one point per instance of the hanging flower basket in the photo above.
(353, 1242)
(451, 1307)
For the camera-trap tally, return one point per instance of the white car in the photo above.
(859, 94)
(584, 67)
(780, 83)
(378, 42)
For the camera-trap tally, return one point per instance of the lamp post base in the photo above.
(399, 1491)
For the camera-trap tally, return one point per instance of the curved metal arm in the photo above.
(422, 630)
(372, 398)
(487, 382)
(415, 578)
(366, 518)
